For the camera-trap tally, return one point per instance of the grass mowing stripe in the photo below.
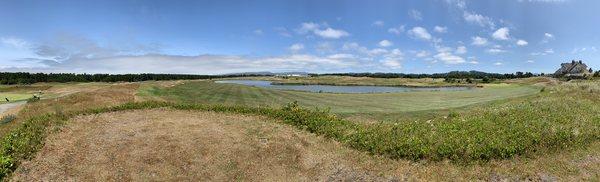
(241, 96)
(360, 103)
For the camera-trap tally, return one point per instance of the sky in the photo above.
(232, 36)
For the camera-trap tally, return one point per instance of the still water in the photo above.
(341, 89)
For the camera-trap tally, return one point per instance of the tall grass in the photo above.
(564, 117)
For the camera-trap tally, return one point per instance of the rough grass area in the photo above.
(206, 92)
(562, 117)
(23, 88)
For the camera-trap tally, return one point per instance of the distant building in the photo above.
(572, 69)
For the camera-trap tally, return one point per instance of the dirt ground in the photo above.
(146, 145)
(169, 145)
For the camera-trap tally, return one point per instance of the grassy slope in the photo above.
(208, 92)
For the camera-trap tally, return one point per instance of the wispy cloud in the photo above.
(479, 41)
(397, 30)
(15, 42)
(478, 19)
(415, 15)
(378, 23)
(440, 29)
(296, 47)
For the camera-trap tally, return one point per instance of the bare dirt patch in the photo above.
(182, 145)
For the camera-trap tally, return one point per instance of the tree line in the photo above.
(449, 75)
(9, 78)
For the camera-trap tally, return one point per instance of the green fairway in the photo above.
(214, 93)
(13, 97)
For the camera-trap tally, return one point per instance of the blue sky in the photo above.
(213, 37)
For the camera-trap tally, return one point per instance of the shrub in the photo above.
(7, 119)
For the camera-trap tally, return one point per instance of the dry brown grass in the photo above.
(199, 146)
(172, 145)
(73, 97)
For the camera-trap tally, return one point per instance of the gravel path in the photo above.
(8, 106)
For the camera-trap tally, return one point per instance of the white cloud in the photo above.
(479, 41)
(461, 50)
(498, 63)
(547, 37)
(385, 43)
(258, 32)
(501, 34)
(71, 53)
(397, 30)
(522, 42)
(443, 49)
(201, 64)
(324, 47)
(328, 32)
(296, 47)
(460, 4)
(478, 19)
(544, 1)
(395, 64)
(355, 47)
(420, 33)
(415, 14)
(378, 23)
(495, 50)
(331, 33)
(422, 54)
(584, 49)
(473, 62)
(15, 42)
(393, 59)
(440, 29)
(543, 53)
(307, 27)
(449, 58)
(341, 56)
(376, 51)
(530, 61)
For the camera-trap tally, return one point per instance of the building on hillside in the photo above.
(573, 69)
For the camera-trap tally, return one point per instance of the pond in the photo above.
(340, 89)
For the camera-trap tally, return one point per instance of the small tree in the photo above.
(486, 79)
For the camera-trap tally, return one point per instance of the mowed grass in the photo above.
(208, 92)
(13, 97)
